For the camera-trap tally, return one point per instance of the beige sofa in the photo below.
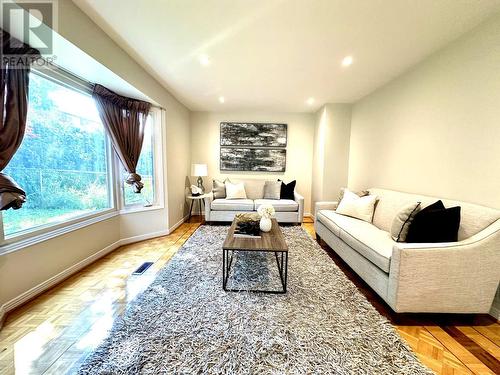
(287, 210)
(454, 277)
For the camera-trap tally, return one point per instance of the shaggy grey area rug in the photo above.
(184, 323)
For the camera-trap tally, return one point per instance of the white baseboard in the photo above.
(178, 224)
(54, 280)
(61, 276)
(142, 237)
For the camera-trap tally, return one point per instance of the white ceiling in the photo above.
(275, 54)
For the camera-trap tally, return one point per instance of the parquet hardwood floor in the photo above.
(53, 333)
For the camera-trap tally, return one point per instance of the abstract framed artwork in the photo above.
(240, 134)
(252, 159)
(253, 146)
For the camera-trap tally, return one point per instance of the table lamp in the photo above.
(200, 170)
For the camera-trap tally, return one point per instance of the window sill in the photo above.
(136, 209)
(30, 239)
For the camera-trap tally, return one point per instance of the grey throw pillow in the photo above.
(272, 189)
(219, 189)
(402, 221)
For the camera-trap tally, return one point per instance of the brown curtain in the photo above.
(124, 120)
(14, 82)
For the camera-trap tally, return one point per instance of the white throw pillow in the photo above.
(356, 206)
(235, 191)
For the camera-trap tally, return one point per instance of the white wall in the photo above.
(205, 140)
(331, 151)
(24, 269)
(436, 129)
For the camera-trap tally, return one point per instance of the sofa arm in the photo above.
(300, 200)
(324, 206)
(208, 205)
(451, 277)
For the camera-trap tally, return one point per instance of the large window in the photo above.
(62, 161)
(66, 163)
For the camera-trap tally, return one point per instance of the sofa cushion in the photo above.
(281, 205)
(369, 241)
(232, 205)
(329, 219)
(374, 244)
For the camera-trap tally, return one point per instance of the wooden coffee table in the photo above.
(272, 241)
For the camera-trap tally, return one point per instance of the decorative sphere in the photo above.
(265, 224)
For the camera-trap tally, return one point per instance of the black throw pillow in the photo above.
(287, 190)
(435, 206)
(435, 223)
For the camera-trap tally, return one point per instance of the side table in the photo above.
(200, 199)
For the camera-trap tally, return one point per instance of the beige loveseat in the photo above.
(287, 210)
(453, 277)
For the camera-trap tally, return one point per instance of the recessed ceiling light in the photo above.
(346, 61)
(221, 99)
(204, 60)
(310, 101)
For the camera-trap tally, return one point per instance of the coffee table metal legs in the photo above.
(226, 266)
(282, 267)
(281, 261)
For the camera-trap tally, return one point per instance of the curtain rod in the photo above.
(77, 79)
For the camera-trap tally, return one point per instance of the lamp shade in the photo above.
(199, 170)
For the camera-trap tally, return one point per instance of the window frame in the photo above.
(157, 202)
(114, 179)
(58, 226)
